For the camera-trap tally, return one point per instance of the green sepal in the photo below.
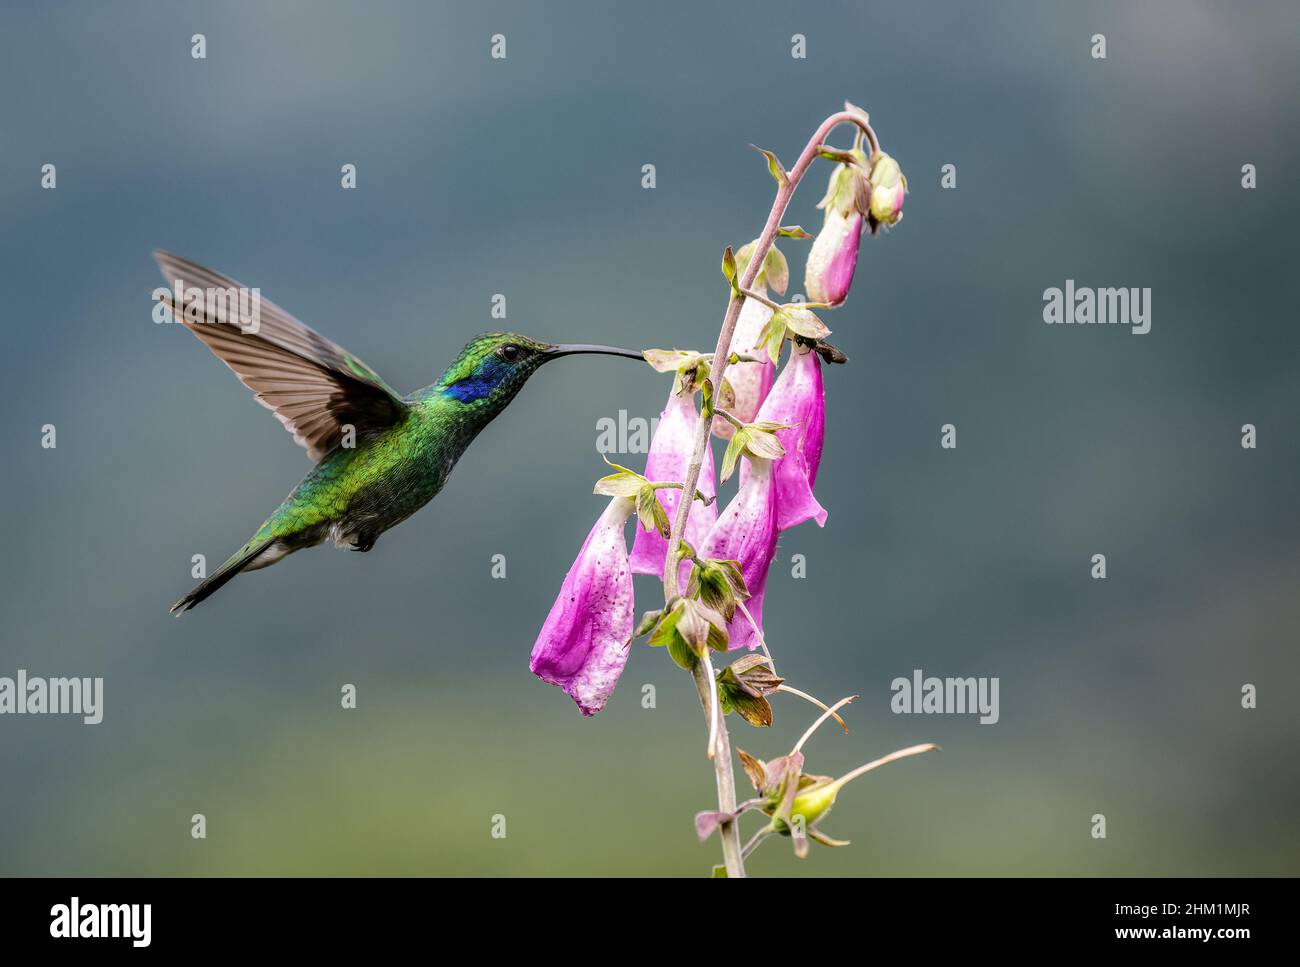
(681, 654)
(794, 231)
(729, 268)
(777, 270)
(706, 398)
(650, 512)
(756, 711)
(666, 629)
(735, 447)
(772, 336)
(647, 623)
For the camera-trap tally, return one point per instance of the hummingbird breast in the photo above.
(355, 494)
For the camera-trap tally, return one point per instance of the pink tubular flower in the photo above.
(750, 381)
(582, 647)
(669, 456)
(746, 532)
(799, 401)
(834, 257)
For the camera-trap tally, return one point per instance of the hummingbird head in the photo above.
(495, 365)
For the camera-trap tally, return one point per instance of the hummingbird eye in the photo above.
(509, 352)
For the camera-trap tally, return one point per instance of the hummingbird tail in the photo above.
(243, 559)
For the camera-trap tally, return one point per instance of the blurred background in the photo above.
(523, 177)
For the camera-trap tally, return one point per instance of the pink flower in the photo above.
(750, 381)
(834, 257)
(669, 456)
(582, 647)
(746, 532)
(798, 400)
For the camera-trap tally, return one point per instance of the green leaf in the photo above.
(647, 623)
(804, 322)
(736, 576)
(775, 336)
(661, 520)
(777, 270)
(665, 632)
(742, 262)
(761, 443)
(693, 628)
(681, 653)
(757, 711)
(670, 360)
(625, 483)
(646, 505)
(715, 590)
(706, 398)
(793, 231)
(717, 626)
(836, 154)
(773, 166)
(734, 448)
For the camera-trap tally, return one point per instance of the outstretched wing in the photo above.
(314, 386)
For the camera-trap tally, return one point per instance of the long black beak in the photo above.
(573, 349)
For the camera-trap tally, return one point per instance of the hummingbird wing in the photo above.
(313, 386)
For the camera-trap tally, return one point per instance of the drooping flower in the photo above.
(862, 194)
(888, 188)
(798, 400)
(669, 456)
(582, 647)
(746, 532)
(833, 257)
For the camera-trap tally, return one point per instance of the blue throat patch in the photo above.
(489, 375)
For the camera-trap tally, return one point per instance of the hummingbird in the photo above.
(379, 456)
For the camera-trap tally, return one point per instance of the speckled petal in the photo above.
(582, 646)
(798, 399)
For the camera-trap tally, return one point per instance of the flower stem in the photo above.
(703, 672)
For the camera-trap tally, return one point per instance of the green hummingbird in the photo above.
(379, 456)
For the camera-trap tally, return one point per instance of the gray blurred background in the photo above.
(522, 177)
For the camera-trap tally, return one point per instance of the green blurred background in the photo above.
(522, 177)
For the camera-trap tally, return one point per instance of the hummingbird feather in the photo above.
(312, 385)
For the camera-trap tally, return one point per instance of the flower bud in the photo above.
(833, 257)
(582, 647)
(888, 188)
